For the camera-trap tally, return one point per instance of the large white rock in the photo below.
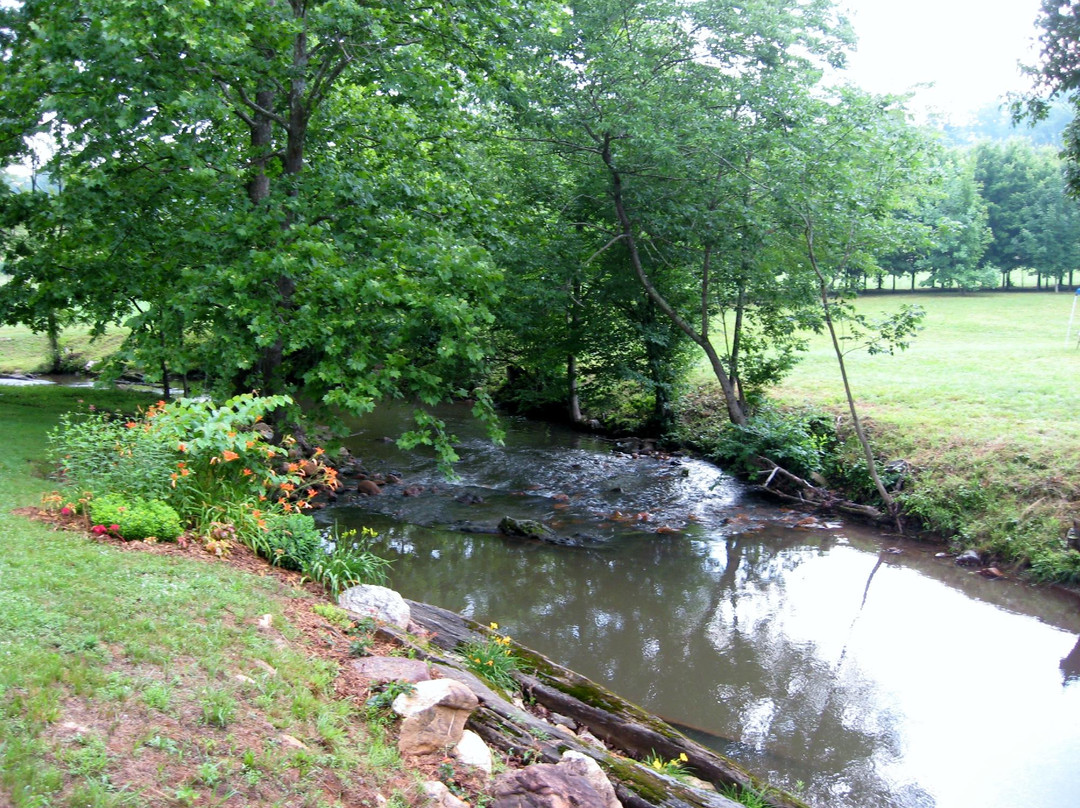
(472, 751)
(377, 602)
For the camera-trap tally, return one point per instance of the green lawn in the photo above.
(984, 406)
(986, 367)
(129, 678)
(24, 352)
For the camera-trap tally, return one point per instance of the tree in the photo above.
(275, 186)
(663, 109)
(960, 235)
(1033, 222)
(1057, 77)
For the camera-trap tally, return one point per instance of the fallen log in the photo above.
(784, 485)
(625, 730)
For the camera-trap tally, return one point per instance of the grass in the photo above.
(133, 678)
(984, 405)
(24, 352)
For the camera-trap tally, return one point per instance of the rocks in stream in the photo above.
(525, 528)
(969, 558)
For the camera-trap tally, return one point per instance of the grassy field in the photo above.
(131, 678)
(24, 352)
(985, 405)
(985, 367)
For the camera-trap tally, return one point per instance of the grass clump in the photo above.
(492, 659)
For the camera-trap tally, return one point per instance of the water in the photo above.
(807, 653)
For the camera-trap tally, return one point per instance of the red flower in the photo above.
(97, 530)
(65, 511)
(114, 528)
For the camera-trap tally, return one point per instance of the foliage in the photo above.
(277, 195)
(1034, 223)
(378, 704)
(348, 562)
(96, 453)
(492, 659)
(797, 440)
(136, 518)
(335, 615)
(745, 796)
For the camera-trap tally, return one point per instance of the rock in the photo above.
(392, 669)
(413, 491)
(563, 721)
(545, 785)
(289, 740)
(439, 796)
(525, 528)
(368, 488)
(382, 604)
(584, 766)
(264, 431)
(434, 716)
(468, 498)
(472, 751)
(969, 558)
(992, 573)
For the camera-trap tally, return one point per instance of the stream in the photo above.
(852, 668)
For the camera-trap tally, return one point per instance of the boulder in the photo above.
(472, 751)
(584, 766)
(545, 785)
(969, 558)
(368, 488)
(378, 602)
(434, 716)
(392, 669)
(525, 528)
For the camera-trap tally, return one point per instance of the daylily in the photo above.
(228, 455)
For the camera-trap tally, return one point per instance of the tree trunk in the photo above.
(864, 441)
(700, 338)
(52, 331)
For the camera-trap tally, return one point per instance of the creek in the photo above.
(807, 649)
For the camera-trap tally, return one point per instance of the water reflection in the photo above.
(810, 656)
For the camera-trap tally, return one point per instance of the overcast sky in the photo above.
(969, 49)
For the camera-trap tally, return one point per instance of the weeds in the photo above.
(492, 659)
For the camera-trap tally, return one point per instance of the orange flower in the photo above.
(249, 444)
(319, 450)
(248, 472)
(181, 447)
(231, 434)
(287, 487)
(131, 424)
(229, 455)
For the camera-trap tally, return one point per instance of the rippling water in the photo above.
(860, 677)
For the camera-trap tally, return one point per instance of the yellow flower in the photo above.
(656, 764)
(493, 626)
(683, 757)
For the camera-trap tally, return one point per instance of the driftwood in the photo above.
(627, 731)
(782, 484)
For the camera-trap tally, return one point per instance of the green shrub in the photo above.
(799, 441)
(101, 452)
(287, 540)
(136, 518)
(346, 563)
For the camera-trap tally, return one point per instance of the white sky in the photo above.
(969, 49)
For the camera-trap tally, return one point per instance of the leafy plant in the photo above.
(379, 703)
(678, 767)
(492, 659)
(218, 708)
(136, 518)
(347, 563)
